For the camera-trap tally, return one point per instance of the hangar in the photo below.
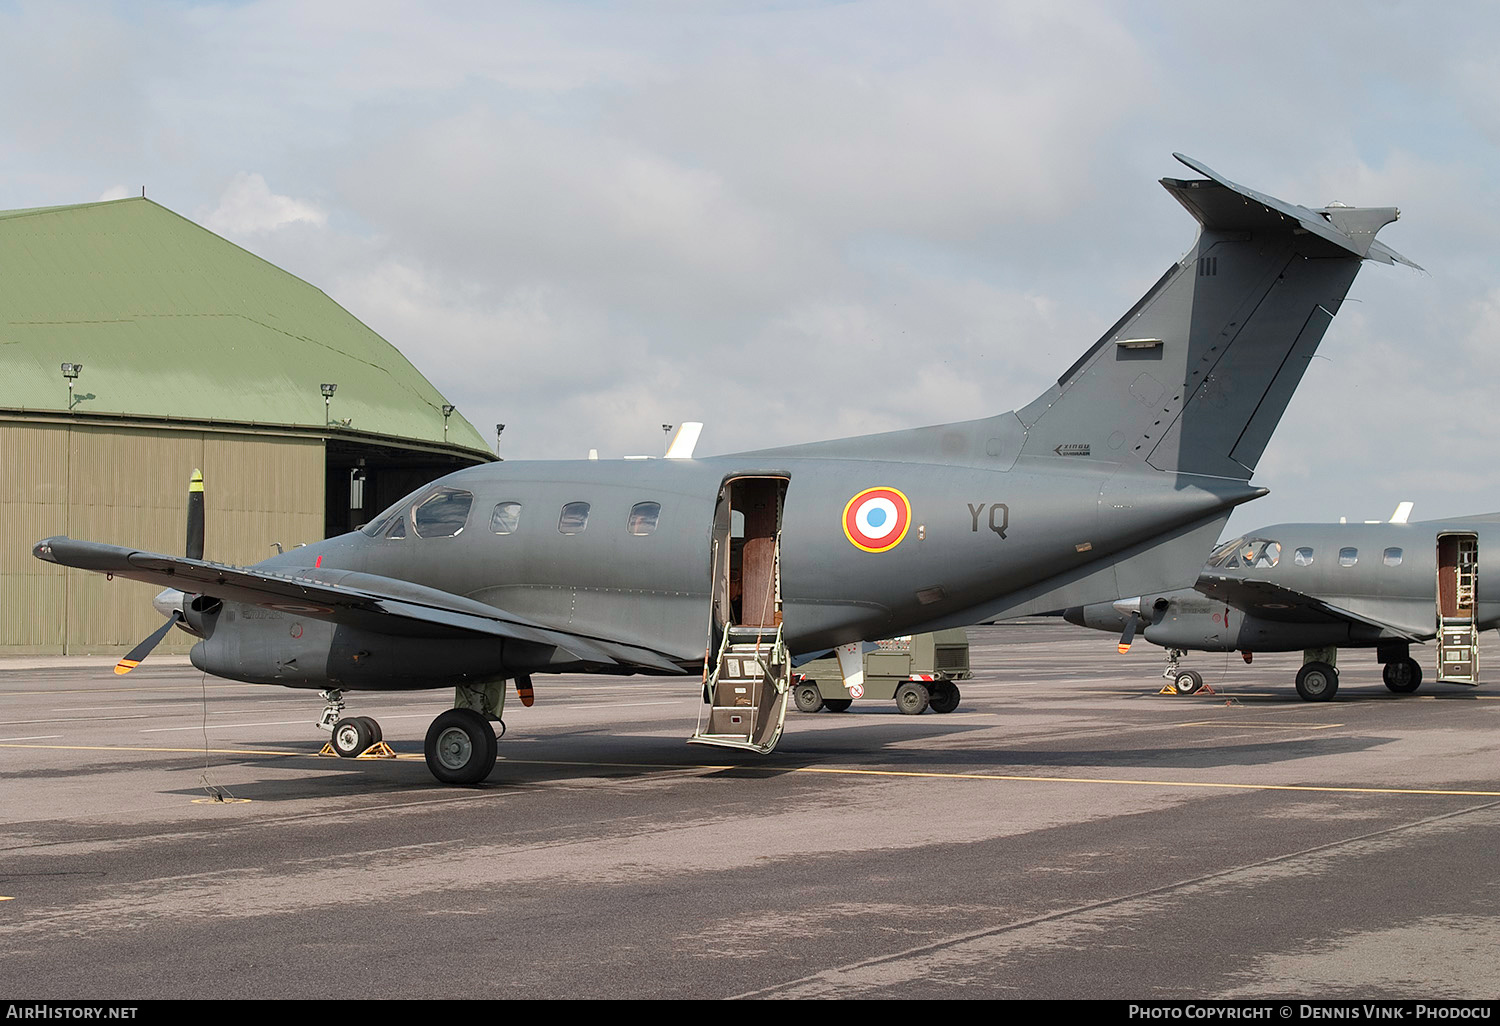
(137, 346)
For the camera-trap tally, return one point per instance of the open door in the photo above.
(747, 675)
(1457, 591)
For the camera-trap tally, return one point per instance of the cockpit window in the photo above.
(1246, 553)
(395, 513)
(574, 518)
(643, 517)
(443, 514)
(506, 518)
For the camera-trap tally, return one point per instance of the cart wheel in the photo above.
(809, 699)
(945, 696)
(913, 698)
(837, 704)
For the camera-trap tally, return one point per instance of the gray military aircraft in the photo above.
(1322, 587)
(1116, 480)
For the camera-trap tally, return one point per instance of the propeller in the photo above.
(135, 656)
(1131, 610)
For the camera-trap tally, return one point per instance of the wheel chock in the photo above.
(379, 750)
(1167, 689)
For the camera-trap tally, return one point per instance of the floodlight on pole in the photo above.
(327, 390)
(666, 429)
(448, 409)
(499, 430)
(70, 371)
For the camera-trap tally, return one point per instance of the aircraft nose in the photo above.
(169, 601)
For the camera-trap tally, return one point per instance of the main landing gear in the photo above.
(1402, 675)
(460, 747)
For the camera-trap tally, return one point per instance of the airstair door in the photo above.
(747, 673)
(1457, 592)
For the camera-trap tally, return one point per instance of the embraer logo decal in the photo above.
(876, 519)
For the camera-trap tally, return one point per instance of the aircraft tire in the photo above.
(837, 704)
(460, 747)
(1317, 682)
(351, 736)
(1403, 676)
(1188, 682)
(376, 734)
(945, 696)
(913, 698)
(807, 696)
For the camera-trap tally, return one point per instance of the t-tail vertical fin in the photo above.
(1195, 377)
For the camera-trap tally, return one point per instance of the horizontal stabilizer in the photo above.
(1222, 205)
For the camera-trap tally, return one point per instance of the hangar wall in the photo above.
(128, 486)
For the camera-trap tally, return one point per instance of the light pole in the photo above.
(499, 430)
(71, 371)
(327, 391)
(666, 429)
(448, 409)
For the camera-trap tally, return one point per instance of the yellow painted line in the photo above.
(839, 771)
(5, 898)
(180, 751)
(1018, 778)
(1260, 726)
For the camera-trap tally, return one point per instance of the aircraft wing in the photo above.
(361, 600)
(1285, 605)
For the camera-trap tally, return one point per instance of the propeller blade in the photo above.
(141, 651)
(195, 516)
(1129, 635)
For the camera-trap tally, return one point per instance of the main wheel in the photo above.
(352, 735)
(913, 698)
(460, 747)
(807, 696)
(1403, 676)
(837, 704)
(944, 696)
(1187, 682)
(1317, 682)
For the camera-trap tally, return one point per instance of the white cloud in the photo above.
(115, 192)
(249, 207)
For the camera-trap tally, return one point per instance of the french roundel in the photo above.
(877, 518)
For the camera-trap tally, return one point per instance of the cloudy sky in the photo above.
(803, 220)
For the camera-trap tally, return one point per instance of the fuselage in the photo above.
(975, 540)
(1385, 575)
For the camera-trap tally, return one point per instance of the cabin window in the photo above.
(643, 517)
(443, 514)
(1303, 556)
(1393, 557)
(506, 518)
(574, 519)
(1348, 556)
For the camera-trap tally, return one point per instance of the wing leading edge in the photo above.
(348, 597)
(1273, 602)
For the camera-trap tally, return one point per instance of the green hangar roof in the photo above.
(171, 321)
